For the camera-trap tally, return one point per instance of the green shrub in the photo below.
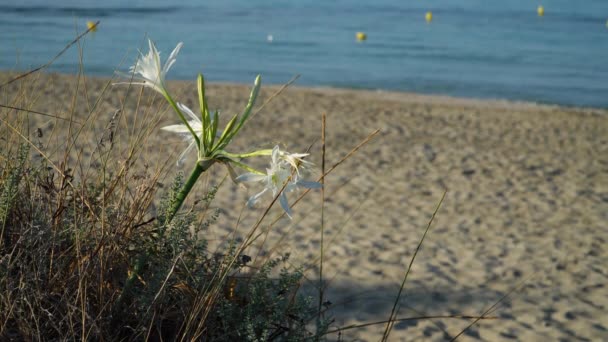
(68, 247)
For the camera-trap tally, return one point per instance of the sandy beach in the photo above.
(526, 205)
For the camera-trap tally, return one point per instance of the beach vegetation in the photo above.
(108, 247)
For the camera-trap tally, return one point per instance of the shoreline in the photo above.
(378, 94)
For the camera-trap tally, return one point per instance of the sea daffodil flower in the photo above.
(282, 176)
(149, 72)
(202, 132)
(195, 123)
(296, 160)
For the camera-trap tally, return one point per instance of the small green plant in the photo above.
(211, 144)
(90, 256)
(11, 177)
(202, 132)
(61, 275)
(83, 256)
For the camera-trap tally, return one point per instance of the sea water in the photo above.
(471, 48)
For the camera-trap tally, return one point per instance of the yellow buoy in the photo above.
(361, 36)
(91, 26)
(540, 10)
(428, 16)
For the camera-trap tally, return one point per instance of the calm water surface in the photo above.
(472, 48)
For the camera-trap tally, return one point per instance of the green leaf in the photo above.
(205, 119)
(252, 97)
(216, 120)
(222, 142)
(201, 96)
(246, 167)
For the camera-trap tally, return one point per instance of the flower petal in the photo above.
(181, 129)
(251, 177)
(276, 153)
(172, 58)
(188, 111)
(254, 198)
(154, 54)
(148, 69)
(285, 204)
(309, 184)
(182, 156)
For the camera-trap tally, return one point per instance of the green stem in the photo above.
(198, 170)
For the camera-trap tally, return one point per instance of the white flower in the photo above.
(283, 166)
(148, 70)
(296, 160)
(195, 123)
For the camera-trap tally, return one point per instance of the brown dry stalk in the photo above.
(417, 318)
(321, 179)
(395, 310)
(53, 59)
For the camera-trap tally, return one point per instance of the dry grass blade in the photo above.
(348, 155)
(273, 250)
(39, 113)
(55, 167)
(394, 311)
(417, 318)
(323, 127)
(275, 94)
(53, 59)
(267, 231)
(321, 179)
(493, 307)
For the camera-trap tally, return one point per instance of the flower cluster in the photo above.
(283, 176)
(148, 72)
(202, 132)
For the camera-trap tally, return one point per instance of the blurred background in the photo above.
(465, 48)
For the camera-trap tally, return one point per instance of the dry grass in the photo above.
(77, 214)
(73, 227)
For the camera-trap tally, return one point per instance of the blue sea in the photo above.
(471, 48)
